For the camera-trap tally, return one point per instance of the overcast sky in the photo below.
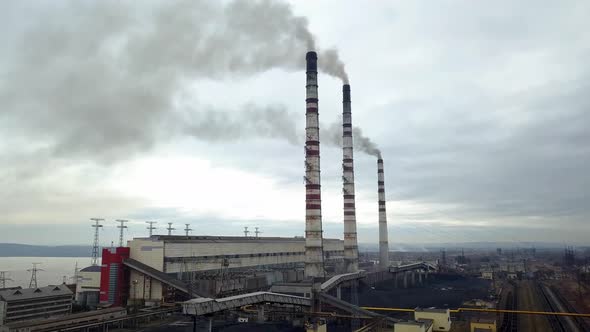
(193, 112)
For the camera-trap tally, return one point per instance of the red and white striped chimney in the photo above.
(350, 240)
(383, 242)
(314, 254)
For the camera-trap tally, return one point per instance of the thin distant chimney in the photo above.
(350, 237)
(314, 254)
(383, 242)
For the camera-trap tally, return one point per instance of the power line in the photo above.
(170, 229)
(76, 272)
(4, 279)
(33, 282)
(96, 226)
(122, 227)
(257, 231)
(187, 229)
(151, 226)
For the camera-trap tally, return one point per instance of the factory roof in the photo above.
(92, 268)
(34, 293)
(65, 319)
(210, 238)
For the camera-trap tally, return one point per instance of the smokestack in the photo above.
(314, 253)
(350, 240)
(383, 243)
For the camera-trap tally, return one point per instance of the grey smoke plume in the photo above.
(271, 121)
(364, 144)
(332, 135)
(329, 61)
(101, 78)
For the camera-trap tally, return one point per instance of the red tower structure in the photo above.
(114, 277)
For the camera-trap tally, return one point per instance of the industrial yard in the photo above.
(266, 291)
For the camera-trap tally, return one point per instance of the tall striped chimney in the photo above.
(351, 254)
(383, 243)
(314, 254)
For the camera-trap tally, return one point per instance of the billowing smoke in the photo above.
(332, 135)
(102, 78)
(330, 62)
(364, 144)
(217, 125)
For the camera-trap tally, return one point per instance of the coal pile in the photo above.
(438, 293)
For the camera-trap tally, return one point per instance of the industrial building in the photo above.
(35, 303)
(88, 286)
(114, 277)
(161, 265)
(441, 318)
(65, 322)
(422, 325)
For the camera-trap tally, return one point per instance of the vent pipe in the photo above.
(383, 243)
(314, 254)
(350, 236)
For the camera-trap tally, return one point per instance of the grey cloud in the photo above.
(532, 170)
(479, 109)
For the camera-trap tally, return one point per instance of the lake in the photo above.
(54, 268)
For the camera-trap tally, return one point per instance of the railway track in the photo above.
(510, 321)
(553, 303)
(529, 299)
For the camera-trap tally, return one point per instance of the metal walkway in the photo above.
(160, 276)
(412, 267)
(352, 309)
(340, 278)
(203, 306)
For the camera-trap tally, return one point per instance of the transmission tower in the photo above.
(75, 277)
(246, 231)
(170, 229)
(257, 231)
(3, 279)
(96, 226)
(187, 229)
(151, 226)
(122, 227)
(33, 282)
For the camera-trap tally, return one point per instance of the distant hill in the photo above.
(26, 250)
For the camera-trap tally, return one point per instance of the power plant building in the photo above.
(215, 265)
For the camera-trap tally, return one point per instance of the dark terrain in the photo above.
(448, 293)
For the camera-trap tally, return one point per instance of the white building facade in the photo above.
(220, 263)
